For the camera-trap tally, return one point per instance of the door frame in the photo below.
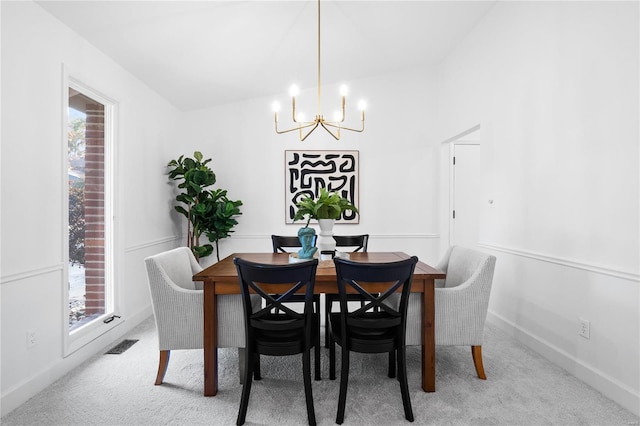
(471, 136)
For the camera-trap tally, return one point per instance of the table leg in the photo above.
(429, 338)
(210, 340)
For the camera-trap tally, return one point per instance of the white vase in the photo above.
(325, 238)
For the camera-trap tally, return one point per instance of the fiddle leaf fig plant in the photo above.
(221, 221)
(208, 211)
(328, 205)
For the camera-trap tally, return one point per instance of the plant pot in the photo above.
(325, 238)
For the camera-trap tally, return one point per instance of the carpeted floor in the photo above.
(522, 388)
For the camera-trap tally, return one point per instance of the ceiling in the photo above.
(198, 54)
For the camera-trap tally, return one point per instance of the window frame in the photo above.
(77, 338)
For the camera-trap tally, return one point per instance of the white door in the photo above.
(465, 196)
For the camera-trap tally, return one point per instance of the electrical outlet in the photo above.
(585, 328)
(32, 338)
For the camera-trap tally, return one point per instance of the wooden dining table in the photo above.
(222, 278)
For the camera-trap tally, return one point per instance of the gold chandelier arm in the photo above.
(300, 127)
(339, 126)
(336, 135)
(314, 124)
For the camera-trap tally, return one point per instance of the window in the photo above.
(90, 233)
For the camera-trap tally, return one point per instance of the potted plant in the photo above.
(208, 212)
(328, 207)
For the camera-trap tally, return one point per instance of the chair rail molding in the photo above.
(30, 273)
(626, 275)
(385, 236)
(153, 243)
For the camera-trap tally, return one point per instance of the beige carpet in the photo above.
(522, 389)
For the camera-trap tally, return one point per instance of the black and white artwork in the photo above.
(308, 171)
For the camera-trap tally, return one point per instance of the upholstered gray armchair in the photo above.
(178, 307)
(462, 300)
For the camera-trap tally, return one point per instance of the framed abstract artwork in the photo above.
(308, 171)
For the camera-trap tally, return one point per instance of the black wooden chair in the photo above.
(290, 244)
(376, 327)
(283, 243)
(355, 243)
(276, 329)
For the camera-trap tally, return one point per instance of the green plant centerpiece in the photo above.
(328, 207)
(208, 211)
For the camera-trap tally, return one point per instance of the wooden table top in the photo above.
(225, 270)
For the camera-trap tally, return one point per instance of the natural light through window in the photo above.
(86, 209)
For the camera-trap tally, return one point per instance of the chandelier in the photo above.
(307, 127)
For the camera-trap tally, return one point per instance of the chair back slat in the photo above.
(296, 279)
(281, 243)
(375, 313)
(358, 242)
(375, 301)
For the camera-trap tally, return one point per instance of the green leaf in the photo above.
(202, 251)
(181, 210)
(189, 163)
(184, 198)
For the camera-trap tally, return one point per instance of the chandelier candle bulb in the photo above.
(293, 109)
(362, 105)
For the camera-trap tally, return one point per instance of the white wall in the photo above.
(554, 86)
(34, 48)
(398, 162)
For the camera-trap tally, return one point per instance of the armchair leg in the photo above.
(162, 366)
(476, 353)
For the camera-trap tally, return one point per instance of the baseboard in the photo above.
(39, 380)
(608, 386)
